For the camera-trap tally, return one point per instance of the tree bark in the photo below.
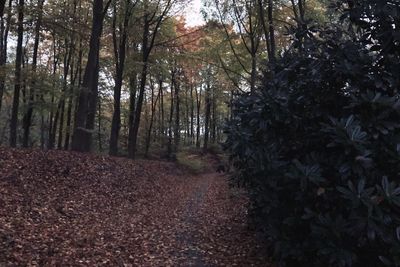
(147, 46)
(132, 105)
(87, 100)
(74, 77)
(51, 138)
(138, 111)
(4, 44)
(214, 116)
(191, 114)
(154, 101)
(119, 52)
(29, 113)
(177, 129)
(171, 116)
(2, 4)
(198, 128)
(271, 31)
(162, 113)
(17, 86)
(207, 113)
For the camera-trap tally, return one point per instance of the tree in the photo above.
(152, 20)
(87, 100)
(2, 4)
(18, 78)
(5, 28)
(28, 116)
(207, 108)
(120, 46)
(245, 14)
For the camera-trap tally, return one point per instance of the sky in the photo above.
(193, 14)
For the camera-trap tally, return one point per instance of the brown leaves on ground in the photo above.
(62, 208)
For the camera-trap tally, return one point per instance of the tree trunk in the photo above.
(214, 117)
(67, 66)
(177, 129)
(74, 76)
(4, 43)
(271, 31)
(50, 144)
(161, 116)
(187, 117)
(138, 111)
(132, 104)
(153, 111)
(171, 116)
(198, 102)
(28, 115)
(2, 4)
(119, 52)
(87, 100)
(17, 86)
(147, 46)
(208, 113)
(191, 114)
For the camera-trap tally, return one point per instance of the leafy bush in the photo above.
(318, 145)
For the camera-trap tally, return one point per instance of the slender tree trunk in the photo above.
(187, 117)
(253, 77)
(51, 140)
(264, 26)
(271, 31)
(191, 114)
(119, 52)
(153, 111)
(198, 128)
(207, 113)
(25, 62)
(17, 86)
(54, 116)
(171, 116)
(87, 100)
(4, 43)
(177, 132)
(2, 4)
(161, 113)
(302, 9)
(132, 104)
(214, 117)
(67, 66)
(147, 46)
(73, 74)
(55, 124)
(138, 111)
(29, 113)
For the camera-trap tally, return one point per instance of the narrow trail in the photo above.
(102, 211)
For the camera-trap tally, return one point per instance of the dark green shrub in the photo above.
(318, 145)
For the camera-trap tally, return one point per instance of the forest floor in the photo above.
(69, 209)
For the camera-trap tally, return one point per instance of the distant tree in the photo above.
(18, 78)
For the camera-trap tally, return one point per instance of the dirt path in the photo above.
(113, 212)
(211, 227)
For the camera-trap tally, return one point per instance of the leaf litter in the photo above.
(69, 209)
